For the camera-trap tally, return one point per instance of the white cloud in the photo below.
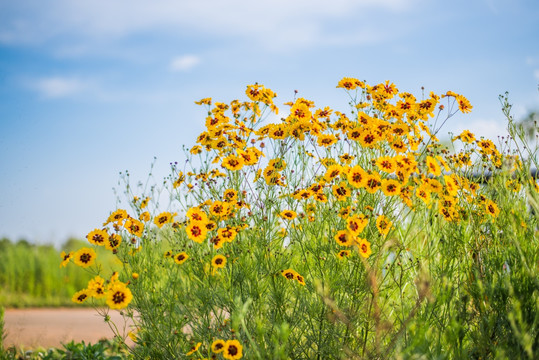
(283, 21)
(57, 87)
(184, 63)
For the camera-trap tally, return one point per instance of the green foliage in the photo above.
(30, 274)
(103, 350)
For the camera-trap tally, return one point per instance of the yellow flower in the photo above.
(391, 187)
(117, 217)
(464, 104)
(218, 346)
(98, 237)
(179, 180)
(341, 191)
(162, 219)
(300, 279)
(96, 287)
(119, 296)
(84, 257)
(350, 83)
(288, 214)
(356, 224)
(357, 177)
(218, 261)
(80, 296)
(372, 183)
(228, 233)
(344, 238)
(492, 208)
(332, 172)
(343, 253)
(383, 224)
(433, 167)
(289, 274)
(232, 350)
(387, 164)
(181, 258)
(197, 215)
(196, 232)
(197, 149)
(194, 349)
(134, 227)
(220, 209)
(145, 216)
(364, 248)
(65, 258)
(233, 162)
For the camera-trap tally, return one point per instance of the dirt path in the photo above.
(31, 328)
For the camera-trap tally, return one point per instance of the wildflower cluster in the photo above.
(316, 197)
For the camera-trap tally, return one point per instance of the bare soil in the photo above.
(52, 327)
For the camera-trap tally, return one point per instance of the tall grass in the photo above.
(30, 274)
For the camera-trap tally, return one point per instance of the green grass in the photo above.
(30, 275)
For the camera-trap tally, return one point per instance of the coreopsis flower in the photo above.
(205, 101)
(288, 214)
(134, 227)
(116, 217)
(491, 208)
(98, 237)
(341, 191)
(65, 258)
(391, 187)
(233, 162)
(220, 208)
(350, 83)
(230, 195)
(277, 131)
(119, 296)
(343, 253)
(387, 164)
(300, 279)
(196, 231)
(80, 296)
(232, 350)
(218, 346)
(326, 140)
(195, 150)
(113, 242)
(357, 223)
(179, 180)
(218, 261)
(163, 218)
(197, 215)
(424, 194)
(332, 172)
(464, 104)
(372, 183)
(289, 274)
(84, 257)
(364, 247)
(228, 233)
(194, 349)
(145, 216)
(96, 287)
(383, 224)
(344, 238)
(180, 258)
(433, 167)
(357, 177)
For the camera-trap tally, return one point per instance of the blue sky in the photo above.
(92, 88)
